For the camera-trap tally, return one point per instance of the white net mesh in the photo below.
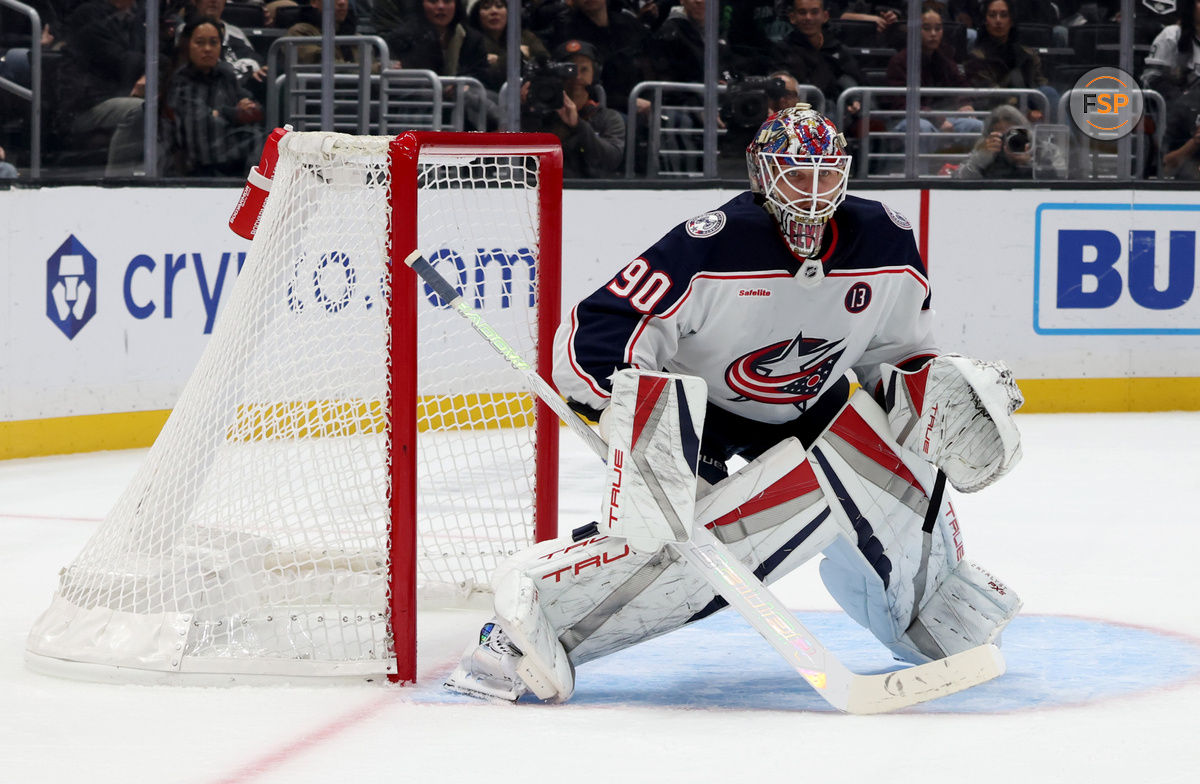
(255, 538)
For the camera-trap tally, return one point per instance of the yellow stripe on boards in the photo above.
(307, 419)
(475, 411)
(95, 432)
(1094, 395)
(90, 433)
(334, 418)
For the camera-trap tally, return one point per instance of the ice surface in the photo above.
(1097, 529)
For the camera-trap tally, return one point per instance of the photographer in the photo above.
(1006, 151)
(747, 103)
(560, 100)
(620, 38)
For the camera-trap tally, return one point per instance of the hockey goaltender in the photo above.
(732, 337)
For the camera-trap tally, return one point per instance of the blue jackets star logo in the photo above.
(790, 372)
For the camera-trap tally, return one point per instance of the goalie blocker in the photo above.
(895, 565)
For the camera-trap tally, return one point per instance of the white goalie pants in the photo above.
(856, 496)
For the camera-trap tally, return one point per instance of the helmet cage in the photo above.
(804, 187)
(798, 163)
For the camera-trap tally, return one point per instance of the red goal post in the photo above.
(406, 151)
(344, 441)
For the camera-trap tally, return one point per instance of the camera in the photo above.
(745, 100)
(547, 82)
(1016, 140)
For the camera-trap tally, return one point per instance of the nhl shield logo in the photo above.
(706, 225)
(71, 287)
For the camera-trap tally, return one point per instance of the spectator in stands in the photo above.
(490, 18)
(1006, 151)
(388, 16)
(677, 47)
(593, 137)
(815, 56)
(15, 63)
(435, 38)
(102, 84)
(999, 61)
(7, 170)
(308, 23)
(651, 13)
(620, 41)
(236, 48)
(1173, 64)
(544, 17)
(1181, 138)
(752, 28)
(863, 11)
(938, 69)
(676, 54)
(215, 123)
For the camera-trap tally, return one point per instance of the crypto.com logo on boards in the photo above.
(71, 287)
(1106, 104)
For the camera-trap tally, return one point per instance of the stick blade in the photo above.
(891, 691)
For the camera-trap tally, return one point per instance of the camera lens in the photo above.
(1016, 140)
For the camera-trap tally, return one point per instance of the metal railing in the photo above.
(675, 126)
(678, 136)
(470, 100)
(411, 99)
(872, 143)
(300, 84)
(33, 93)
(367, 97)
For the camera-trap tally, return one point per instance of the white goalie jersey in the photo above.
(718, 298)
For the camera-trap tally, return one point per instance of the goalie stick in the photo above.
(843, 689)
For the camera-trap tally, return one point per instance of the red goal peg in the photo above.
(246, 214)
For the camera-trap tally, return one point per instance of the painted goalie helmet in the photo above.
(798, 162)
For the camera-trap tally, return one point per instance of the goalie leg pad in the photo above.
(956, 412)
(600, 595)
(889, 570)
(971, 607)
(653, 426)
(543, 665)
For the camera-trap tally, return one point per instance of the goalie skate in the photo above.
(489, 670)
(517, 651)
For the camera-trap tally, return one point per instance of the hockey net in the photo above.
(343, 443)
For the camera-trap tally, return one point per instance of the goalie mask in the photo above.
(798, 162)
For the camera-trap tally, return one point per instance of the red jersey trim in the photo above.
(576, 368)
(637, 333)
